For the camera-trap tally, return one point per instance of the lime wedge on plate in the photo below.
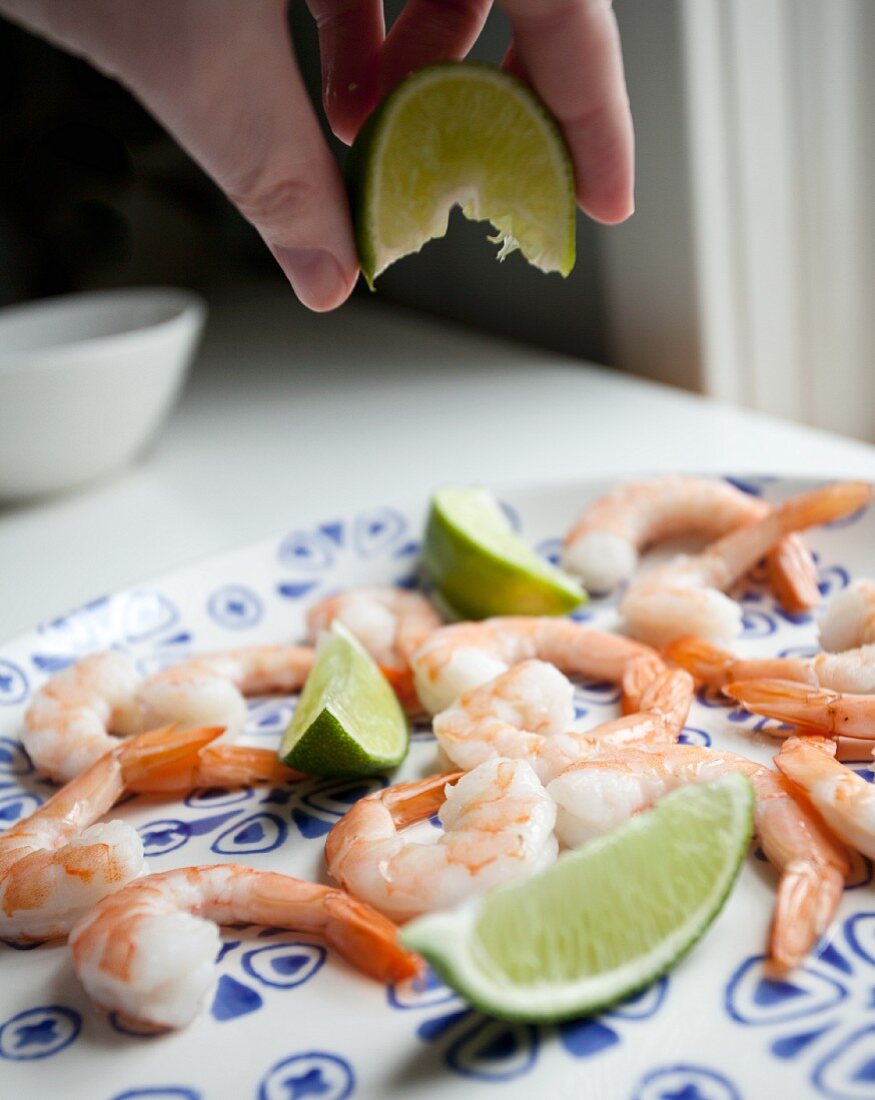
(602, 922)
(462, 133)
(348, 720)
(481, 568)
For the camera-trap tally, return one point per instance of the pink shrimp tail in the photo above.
(415, 801)
(639, 674)
(150, 760)
(367, 939)
(404, 686)
(823, 505)
(800, 742)
(701, 659)
(808, 897)
(793, 575)
(788, 701)
(670, 697)
(240, 766)
(407, 803)
(742, 548)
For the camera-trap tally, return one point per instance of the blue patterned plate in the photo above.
(286, 1020)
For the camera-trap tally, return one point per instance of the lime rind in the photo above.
(443, 164)
(456, 943)
(348, 720)
(481, 567)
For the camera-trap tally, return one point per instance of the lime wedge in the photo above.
(602, 922)
(348, 720)
(481, 568)
(462, 133)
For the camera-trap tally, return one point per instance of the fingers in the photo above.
(359, 67)
(221, 76)
(351, 33)
(569, 51)
(252, 127)
(427, 31)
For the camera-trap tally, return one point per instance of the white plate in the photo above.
(287, 1022)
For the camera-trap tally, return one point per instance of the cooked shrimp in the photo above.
(844, 799)
(686, 595)
(595, 795)
(220, 764)
(793, 576)
(462, 656)
(391, 623)
(55, 864)
(211, 687)
(498, 826)
(853, 670)
(602, 548)
(526, 713)
(813, 708)
(148, 952)
(71, 721)
(848, 620)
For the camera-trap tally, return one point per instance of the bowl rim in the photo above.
(187, 303)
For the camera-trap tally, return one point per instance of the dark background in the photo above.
(93, 193)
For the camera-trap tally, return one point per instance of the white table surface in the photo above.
(290, 417)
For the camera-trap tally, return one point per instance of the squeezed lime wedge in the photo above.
(467, 134)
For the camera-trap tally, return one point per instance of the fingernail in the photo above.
(315, 275)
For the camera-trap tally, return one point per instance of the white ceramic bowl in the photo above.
(85, 381)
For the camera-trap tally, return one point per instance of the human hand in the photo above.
(567, 50)
(221, 76)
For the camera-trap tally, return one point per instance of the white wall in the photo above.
(749, 271)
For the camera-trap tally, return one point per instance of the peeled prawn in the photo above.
(56, 863)
(596, 795)
(498, 826)
(848, 620)
(793, 576)
(686, 595)
(844, 799)
(391, 623)
(211, 687)
(852, 670)
(462, 656)
(526, 713)
(148, 952)
(73, 718)
(602, 548)
(71, 721)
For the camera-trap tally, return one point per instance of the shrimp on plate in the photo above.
(71, 720)
(687, 595)
(527, 712)
(852, 670)
(56, 863)
(75, 717)
(594, 796)
(848, 620)
(497, 826)
(844, 714)
(603, 546)
(211, 688)
(391, 623)
(148, 951)
(462, 656)
(844, 799)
